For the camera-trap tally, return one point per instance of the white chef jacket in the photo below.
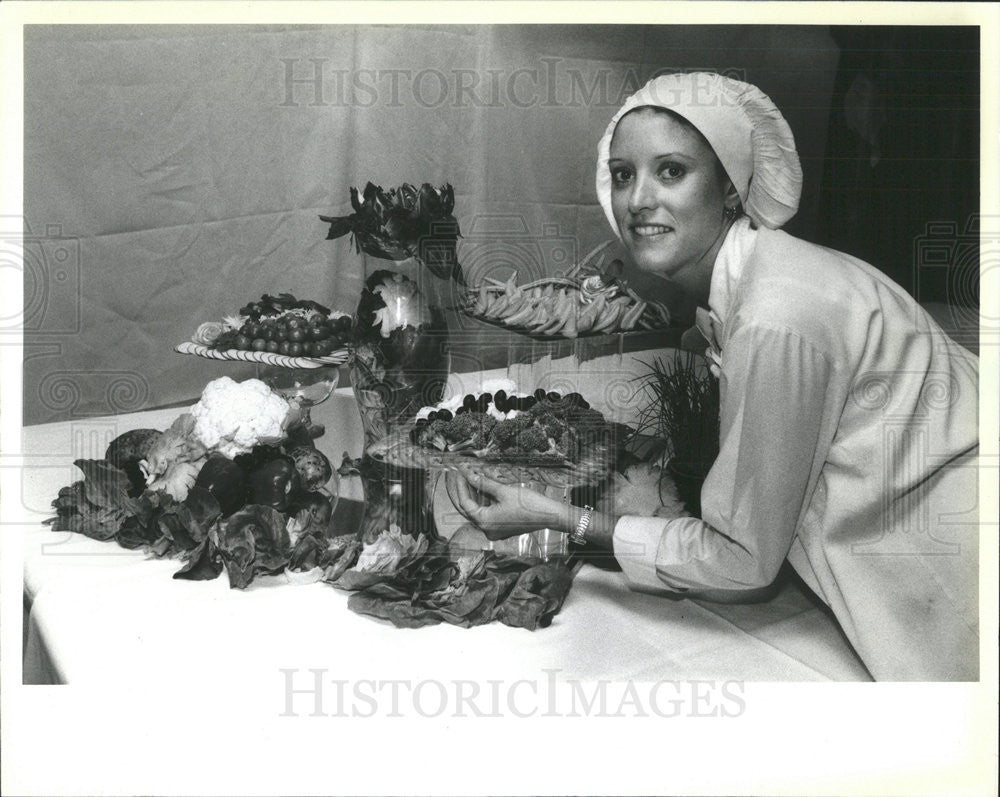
(848, 443)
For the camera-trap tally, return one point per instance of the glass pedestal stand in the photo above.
(307, 387)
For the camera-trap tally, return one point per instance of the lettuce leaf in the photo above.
(252, 541)
(430, 589)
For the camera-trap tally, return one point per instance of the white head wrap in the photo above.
(748, 133)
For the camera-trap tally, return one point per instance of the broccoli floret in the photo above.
(533, 439)
(468, 425)
(433, 434)
(505, 432)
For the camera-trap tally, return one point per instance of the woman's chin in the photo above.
(651, 264)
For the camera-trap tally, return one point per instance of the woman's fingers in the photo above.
(461, 495)
(484, 484)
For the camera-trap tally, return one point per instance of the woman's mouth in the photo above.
(650, 230)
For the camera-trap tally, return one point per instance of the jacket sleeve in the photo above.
(777, 420)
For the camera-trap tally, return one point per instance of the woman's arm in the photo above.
(777, 422)
(780, 408)
(513, 512)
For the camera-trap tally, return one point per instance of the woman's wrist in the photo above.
(600, 528)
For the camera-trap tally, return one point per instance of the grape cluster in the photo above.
(294, 335)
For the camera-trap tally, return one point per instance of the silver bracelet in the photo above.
(578, 535)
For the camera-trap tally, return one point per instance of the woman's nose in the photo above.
(643, 196)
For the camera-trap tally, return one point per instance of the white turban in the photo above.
(748, 133)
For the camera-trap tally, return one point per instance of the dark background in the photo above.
(902, 165)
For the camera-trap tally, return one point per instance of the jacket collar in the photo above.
(709, 327)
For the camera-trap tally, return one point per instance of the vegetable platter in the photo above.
(511, 437)
(587, 301)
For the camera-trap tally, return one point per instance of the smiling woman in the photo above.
(830, 374)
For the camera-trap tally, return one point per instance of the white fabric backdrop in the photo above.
(174, 173)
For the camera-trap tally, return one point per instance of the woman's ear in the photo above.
(732, 199)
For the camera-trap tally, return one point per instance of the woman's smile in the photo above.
(650, 230)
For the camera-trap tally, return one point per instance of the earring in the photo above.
(730, 213)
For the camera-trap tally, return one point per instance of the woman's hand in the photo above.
(508, 510)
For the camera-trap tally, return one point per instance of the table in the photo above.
(99, 614)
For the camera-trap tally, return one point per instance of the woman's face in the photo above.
(668, 194)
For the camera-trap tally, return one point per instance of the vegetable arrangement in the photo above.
(569, 307)
(227, 486)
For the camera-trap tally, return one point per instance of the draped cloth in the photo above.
(175, 172)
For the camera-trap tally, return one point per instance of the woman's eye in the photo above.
(620, 175)
(672, 171)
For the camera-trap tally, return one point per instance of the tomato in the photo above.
(296, 334)
(319, 331)
(252, 330)
(267, 331)
(283, 347)
(293, 322)
(323, 347)
(272, 346)
(243, 342)
(294, 349)
(309, 349)
(281, 332)
(258, 344)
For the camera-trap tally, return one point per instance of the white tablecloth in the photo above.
(97, 613)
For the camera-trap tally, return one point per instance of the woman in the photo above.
(848, 419)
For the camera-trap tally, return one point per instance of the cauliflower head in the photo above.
(232, 417)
